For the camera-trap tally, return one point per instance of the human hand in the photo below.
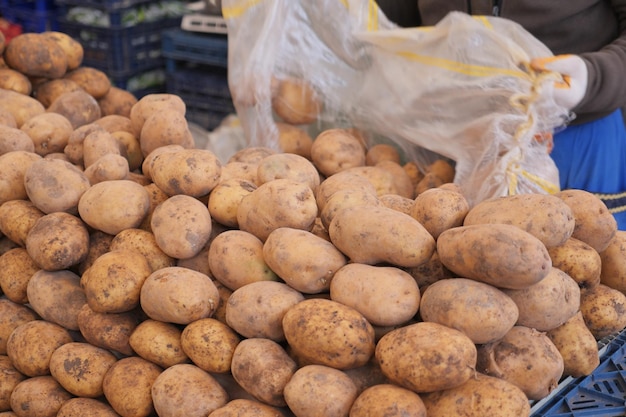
(572, 88)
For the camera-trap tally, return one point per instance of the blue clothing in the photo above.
(592, 157)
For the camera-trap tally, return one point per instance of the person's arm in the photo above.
(401, 12)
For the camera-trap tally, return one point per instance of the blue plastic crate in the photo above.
(32, 15)
(104, 4)
(204, 89)
(601, 394)
(142, 83)
(201, 48)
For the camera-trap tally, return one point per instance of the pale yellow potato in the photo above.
(108, 330)
(13, 165)
(345, 198)
(577, 346)
(439, 209)
(383, 180)
(292, 139)
(235, 170)
(288, 165)
(14, 139)
(612, 262)
(225, 198)
(603, 310)
(127, 386)
(164, 127)
(144, 242)
(388, 400)
(94, 81)
(56, 296)
(192, 172)
(86, 407)
(11, 79)
(578, 260)
(78, 106)
(252, 154)
(16, 270)
(74, 148)
(80, 367)
(401, 179)
(335, 150)
(146, 165)
(12, 315)
(158, 342)
(209, 344)
(340, 181)
(21, 106)
(40, 396)
(99, 143)
(303, 260)
(244, 407)
(150, 104)
(397, 202)
(16, 219)
(109, 167)
(295, 101)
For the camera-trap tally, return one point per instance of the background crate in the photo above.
(601, 394)
(151, 81)
(201, 48)
(109, 5)
(31, 15)
(204, 89)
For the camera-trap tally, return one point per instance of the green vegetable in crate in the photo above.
(36, 55)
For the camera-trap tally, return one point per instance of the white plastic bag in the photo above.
(461, 89)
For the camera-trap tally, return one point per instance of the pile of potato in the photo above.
(141, 276)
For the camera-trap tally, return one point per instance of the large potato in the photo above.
(13, 166)
(345, 198)
(108, 330)
(502, 255)
(192, 172)
(388, 400)
(335, 150)
(94, 81)
(311, 327)
(603, 310)
(71, 47)
(481, 311)
(77, 106)
(158, 342)
(210, 344)
(86, 407)
(14, 139)
(526, 358)
(386, 296)
(371, 235)
(56, 296)
(152, 103)
(426, 357)
(36, 55)
(305, 262)
(165, 127)
(144, 242)
(98, 143)
(50, 90)
(16, 219)
(439, 209)
(40, 396)
(22, 107)
(288, 165)
(342, 180)
(246, 407)
(49, 132)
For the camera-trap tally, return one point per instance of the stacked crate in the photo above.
(122, 38)
(30, 15)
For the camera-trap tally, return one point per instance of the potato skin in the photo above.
(40, 396)
(11, 316)
(603, 310)
(127, 386)
(613, 263)
(36, 55)
(426, 357)
(9, 378)
(108, 330)
(334, 150)
(17, 269)
(246, 407)
(438, 209)
(192, 172)
(578, 260)
(209, 344)
(13, 166)
(372, 235)
(577, 346)
(502, 255)
(85, 407)
(158, 342)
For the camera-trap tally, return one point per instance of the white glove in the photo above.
(571, 90)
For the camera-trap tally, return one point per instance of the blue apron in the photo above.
(592, 157)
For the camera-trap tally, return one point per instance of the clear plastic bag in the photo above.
(462, 89)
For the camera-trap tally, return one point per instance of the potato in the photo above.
(482, 312)
(428, 181)
(36, 55)
(397, 202)
(115, 123)
(438, 209)
(383, 180)
(143, 242)
(21, 106)
(158, 342)
(77, 106)
(334, 150)
(429, 272)
(388, 400)
(112, 284)
(382, 152)
(112, 206)
(578, 260)
(292, 139)
(360, 286)
(192, 172)
(109, 167)
(108, 330)
(71, 47)
(224, 200)
(85, 407)
(127, 386)
(163, 297)
(74, 148)
(481, 396)
(342, 180)
(320, 391)
(7, 118)
(344, 198)
(239, 171)
(152, 103)
(277, 203)
(371, 235)
(309, 268)
(16, 219)
(48, 91)
(12, 315)
(311, 327)
(252, 154)
(130, 149)
(577, 346)
(181, 226)
(40, 396)
(257, 309)
(146, 165)
(56, 296)
(49, 132)
(603, 309)
(426, 357)
(245, 407)
(165, 127)
(260, 359)
(32, 343)
(295, 101)
(173, 388)
(526, 358)
(502, 255)
(13, 80)
(57, 241)
(16, 270)
(287, 165)
(14, 139)
(99, 243)
(548, 303)
(401, 181)
(209, 344)
(612, 262)
(117, 101)
(80, 368)
(94, 81)
(594, 224)
(9, 378)
(55, 185)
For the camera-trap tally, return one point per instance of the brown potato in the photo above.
(99, 243)
(388, 400)
(130, 149)
(165, 127)
(80, 368)
(438, 209)
(257, 309)
(109, 167)
(305, 262)
(86, 407)
(603, 310)
(164, 298)
(94, 81)
(32, 343)
(9, 378)
(383, 180)
(77, 106)
(292, 139)
(152, 103)
(36, 55)
(429, 272)
(40, 396)
(360, 286)
(108, 330)
(14, 139)
(57, 241)
(295, 101)
(191, 172)
(7, 118)
(311, 327)
(320, 391)
(16, 270)
(21, 106)
(481, 311)
(74, 148)
(71, 47)
(56, 296)
(402, 184)
(144, 242)
(382, 152)
(224, 200)
(127, 386)
(252, 154)
(16, 219)
(12, 315)
(235, 170)
(97, 144)
(502, 255)
(342, 180)
(287, 165)
(335, 150)
(48, 91)
(117, 101)
(175, 386)
(344, 198)
(49, 132)
(210, 344)
(578, 260)
(481, 396)
(246, 407)
(156, 196)
(260, 359)
(11, 79)
(158, 342)
(397, 202)
(612, 262)
(526, 358)
(371, 235)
